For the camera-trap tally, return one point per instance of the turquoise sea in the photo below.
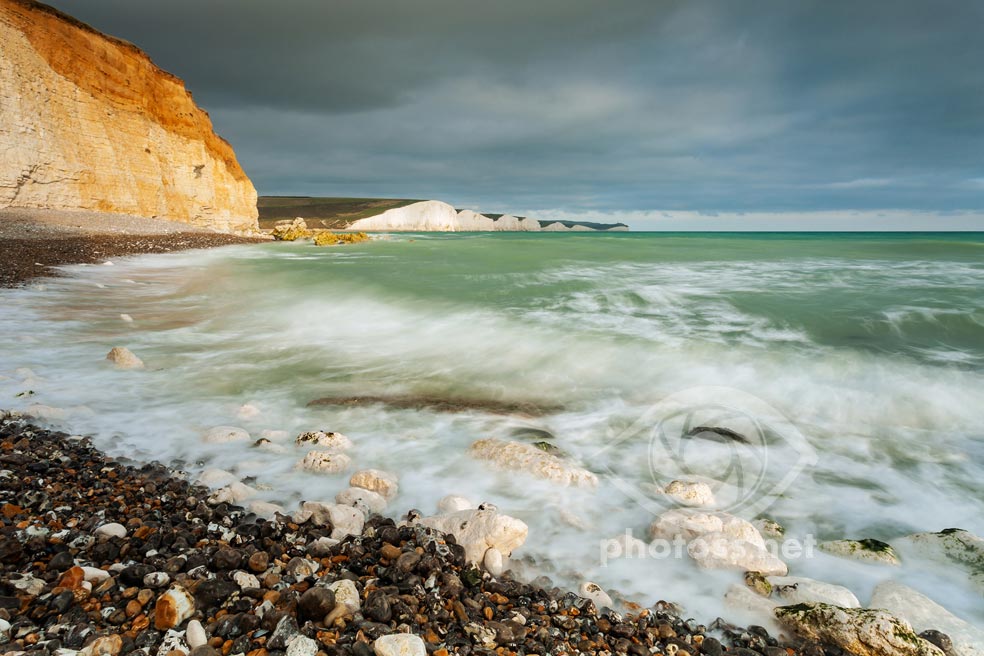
(857, 358)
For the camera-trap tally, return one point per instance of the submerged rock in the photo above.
(690, 493)
(367, 501)
(453, 503)
(123, 358)
(223, 434)
(952, 546)
(518, 456)
(327, 440)
(722, 551)
(378, 481)
(860, 631)
(925, 614)
(325, 462)
(870, 551)
(800, 590)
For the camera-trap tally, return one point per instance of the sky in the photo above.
(663, 113)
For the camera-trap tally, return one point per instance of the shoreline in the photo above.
(36, 241)
(103, 572)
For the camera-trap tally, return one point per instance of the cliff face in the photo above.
(435, 216)
(89, 122)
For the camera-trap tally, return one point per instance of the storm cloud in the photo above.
(584, 106)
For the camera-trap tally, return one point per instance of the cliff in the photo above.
(88, 122)
(435, 216)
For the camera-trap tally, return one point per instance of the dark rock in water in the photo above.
(939, 639)
(315, 604)
(711, 647)
(444, 404)
(716, 434)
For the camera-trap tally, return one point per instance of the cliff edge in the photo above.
(88, 122)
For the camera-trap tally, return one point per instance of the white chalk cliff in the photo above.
(88, 122)
(436, 216)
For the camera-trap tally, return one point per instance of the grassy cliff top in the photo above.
(332, 213)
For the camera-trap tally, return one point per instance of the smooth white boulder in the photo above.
(44, 412)
(799, 590)
(951, 546)
(722, 551)
(688, 524)
(477, 531)
(868, 551)
(860, 631)
(195, 634)
(266, 509)
(399, 644)
(376, 480)
(123, 358)
(453, 503)
(325, 462)
(494, 562)
(327, 440)
(224, 434)
(263, 444)
(923, 614)
(274, 435)
(743, 600)
(518, 456)
(367, 501)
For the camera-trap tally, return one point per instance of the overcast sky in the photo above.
(719, 110)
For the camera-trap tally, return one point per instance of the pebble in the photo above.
(302, 646)
(399, 644)
(111, 530)
(316, 603)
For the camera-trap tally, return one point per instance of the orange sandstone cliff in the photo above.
(88, 122)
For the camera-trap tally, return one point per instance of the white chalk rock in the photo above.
(127, 318)
(923, 614)
(860, 631)
(429, 215)
(344, 520)
(232, 493)
(223, 434)
(301, 645)
(494, 562)
(399, 644)
(453, 503)
(248, 412)
(172, 608)
(722, 551)
(111, 530)
(44, 412)
(475, 222)
(123, 358)
(265, 509)
(799, 590)
(325, 462)
(952, 546)
(173, 642)
(94, 574)
(264, 444)
(868, 551)
(750, 608)
(519, 456)
(690, 493)
(216, 477)
(477, 531)
(689, 524)
(195, 634)
(769, 528)
(595, 593)
(376, 480)
(245, 580)
(275, 435)
(327, 440)
(347, 601)
(367, 501)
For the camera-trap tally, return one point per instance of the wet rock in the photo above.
(378, 481)
(518, 456)
(799, 590)
(123, 358)
(327, 440)
(367, 501)
(104, 646)
(453, 503)
(925, 614)
(690, 493)
(477, 531)
(224, 434)
(325, 462)
(721, 551)
(869, 551)
(864, 632)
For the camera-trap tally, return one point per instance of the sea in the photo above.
(847, 368)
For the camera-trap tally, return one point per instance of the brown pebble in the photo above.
(144, 596)
(270, 580)
(390, 552)
(259, 561)
(133, 608)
